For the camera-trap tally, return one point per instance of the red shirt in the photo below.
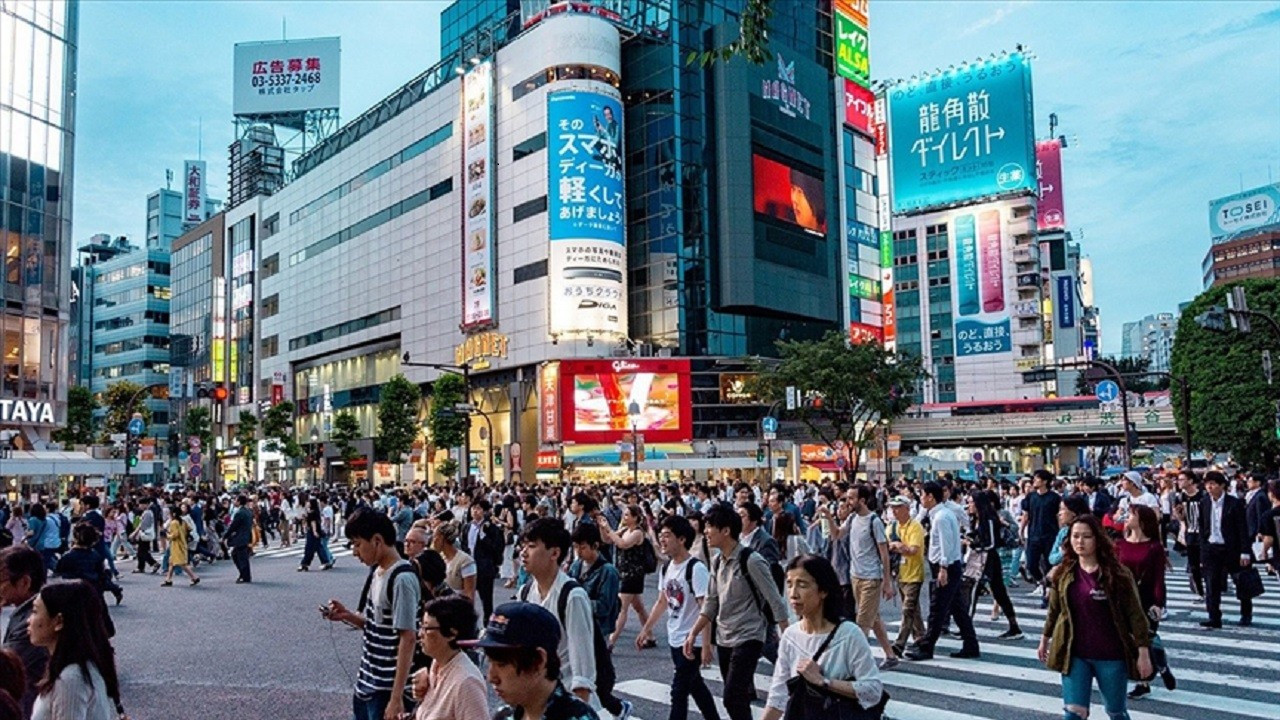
(1094, 636)
(1146, 560)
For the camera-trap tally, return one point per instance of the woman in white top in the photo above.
(68, 620)
(846, 666)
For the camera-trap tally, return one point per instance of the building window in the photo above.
(529, 147)
(270, 306)
(270, 265)
(532, 271)
(271, 226)
(345, 328)
(526, 210)
(440, 189)
(270, 346)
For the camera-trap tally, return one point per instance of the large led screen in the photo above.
(598, 395)
(789, 195)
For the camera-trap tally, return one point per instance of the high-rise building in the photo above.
(623, 219)
(1244, 232)
(37, 114)
(196, 318)
(1151, 338)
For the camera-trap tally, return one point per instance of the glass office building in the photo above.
(37, 129)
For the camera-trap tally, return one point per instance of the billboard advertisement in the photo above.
(859, 108)
(862, 333)
(1064, 301)
(479, 286)
(597, 397)
(853, 55)
(1250, 211)
(1050, 211)
(549, 402)
(859, 10)
(586, 214)
(962, 135)
(789, 195)
(193, 192)
(979, 291)
(285, 76)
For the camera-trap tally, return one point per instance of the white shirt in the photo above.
(577, 659)
(72, 697)
(848, 657)
(683, 603)
(1215, 520)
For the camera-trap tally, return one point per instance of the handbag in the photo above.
(806, 701)
(975, 565)
(1249, 583)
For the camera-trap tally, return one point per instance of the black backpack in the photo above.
(606, 676)
(751, 583)
(420, 658)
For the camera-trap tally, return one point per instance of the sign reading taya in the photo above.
(1050, 213)
(853, 54)
(193, 192)
(481, 346)
(26, 411)
(782, 90)
(587, 215)
(285, 76)
(962, 135)
(478, 286)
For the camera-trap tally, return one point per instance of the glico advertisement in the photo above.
(587, 214)
(600, 400)
(962, 135)
(981, 280)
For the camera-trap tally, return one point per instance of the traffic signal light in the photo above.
(218, 393)
(131, 453)
(759, 454)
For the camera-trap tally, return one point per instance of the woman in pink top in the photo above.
(452, 688)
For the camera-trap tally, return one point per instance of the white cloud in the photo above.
(994, 18)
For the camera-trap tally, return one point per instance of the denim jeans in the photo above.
(326, 557)
(738, 668)
(371, 709)
(1113, 683)
(688, 681)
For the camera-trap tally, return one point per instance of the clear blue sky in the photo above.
(1166, 105)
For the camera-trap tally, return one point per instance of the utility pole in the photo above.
(465, 371)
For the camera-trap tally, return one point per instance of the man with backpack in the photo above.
(743, 602)
(684, 584)
(585, 661)
(869, 574)
(593, 571)
(388, 617)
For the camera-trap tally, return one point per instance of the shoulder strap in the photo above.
(688, 571)
(763, 607)
(524, 591)
(830, 636)
(364, 594)
(562, 603)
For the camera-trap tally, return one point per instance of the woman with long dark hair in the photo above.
(629, 540)
(1096, 627)
(828, 651)
(1142, 551)
(80, 681)
(788, 537)
(985, 540)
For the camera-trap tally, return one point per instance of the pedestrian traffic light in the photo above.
(218, 393)
(497, 457)
(759, 454)
(131, 453)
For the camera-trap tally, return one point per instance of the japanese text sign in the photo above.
(193, 190)
(853, 54)
(962, 135)
(285, 76)
(1050, 213)
(478, 283)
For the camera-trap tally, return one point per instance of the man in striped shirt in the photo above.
(388, 617)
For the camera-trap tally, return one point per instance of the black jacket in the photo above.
(240, 532)
(1234, 528)
(488, 547)
(1253, 512)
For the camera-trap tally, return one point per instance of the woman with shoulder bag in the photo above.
(984, 542)
(629, 540)
(825, 670)
(1096, 627)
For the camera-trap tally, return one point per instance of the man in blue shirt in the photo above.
(945, 561)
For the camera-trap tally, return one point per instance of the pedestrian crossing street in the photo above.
(1222, 675)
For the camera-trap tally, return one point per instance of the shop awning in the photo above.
(610, 455)
(57, 462)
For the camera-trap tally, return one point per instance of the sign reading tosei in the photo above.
(586, 214)
(285, 76)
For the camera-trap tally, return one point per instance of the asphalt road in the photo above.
(245, 652)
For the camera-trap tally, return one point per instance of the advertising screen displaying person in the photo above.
(789, 195)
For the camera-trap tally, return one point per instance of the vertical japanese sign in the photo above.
(478, 284)
(549, 403)
(859, 108)
(978, 286)
(1050, 210)
(193, 192)
(1065, 302)
(587, 215)
(962, 135)
(853, 55)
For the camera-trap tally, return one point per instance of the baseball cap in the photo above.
(520, 625)
(900, 500)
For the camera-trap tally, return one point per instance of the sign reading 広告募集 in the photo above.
(29, 412)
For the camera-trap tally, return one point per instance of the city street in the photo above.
(222, 650)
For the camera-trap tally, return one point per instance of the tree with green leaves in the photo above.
(1134, 369)
(397, 419)
(247, 438)
(448, 427)
(847, 390)
(346, 430)
(122, 399)
(278, 432)
(80, 406)
(1233, 407)
(753, 37)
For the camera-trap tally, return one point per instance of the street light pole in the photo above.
(464, 370)
(634, 411)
